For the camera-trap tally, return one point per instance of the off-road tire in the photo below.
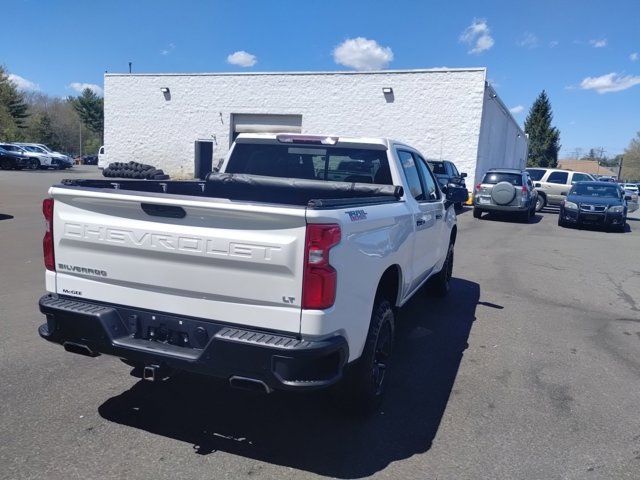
(362, 388)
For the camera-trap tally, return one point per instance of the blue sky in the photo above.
(586, 54)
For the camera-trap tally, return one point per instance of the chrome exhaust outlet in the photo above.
(249, 384)
(80, 349)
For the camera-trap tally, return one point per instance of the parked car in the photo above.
(447, 173)
(630, 187)
(102, 159)
(10, 160)
(594, 203)
(631, 190)
(90, 160)
(38, 159)
(58, 160)
(291, 285)
(505, 190)
(553, 184)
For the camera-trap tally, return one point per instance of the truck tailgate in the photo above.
(226, 261)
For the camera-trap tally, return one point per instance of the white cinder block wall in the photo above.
(437, 111)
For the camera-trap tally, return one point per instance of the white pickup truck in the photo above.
(281, 271)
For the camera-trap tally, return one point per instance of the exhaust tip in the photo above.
(249, 384)
(80, 349)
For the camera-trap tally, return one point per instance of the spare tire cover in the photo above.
(503, 193)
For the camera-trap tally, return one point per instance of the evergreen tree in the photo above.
(45, 133)
(544, 140)
(90, 108)
(13, 109)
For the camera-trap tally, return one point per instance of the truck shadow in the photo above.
(306, 431)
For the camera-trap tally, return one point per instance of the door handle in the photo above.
(438, 216)
(421, 222)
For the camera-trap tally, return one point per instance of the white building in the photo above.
(450, 114)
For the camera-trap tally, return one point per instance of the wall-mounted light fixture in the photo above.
(387, 90)
(164, 89)
(493, 95)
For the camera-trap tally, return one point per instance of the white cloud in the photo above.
(80, 87)
(517, 109)
(598, 43)
(478, 36)
(554, 43)
(242, 59)
(528, 40)
(611, 82)
(634, 57)
(362, 54)
(23, 84)
(168, 50)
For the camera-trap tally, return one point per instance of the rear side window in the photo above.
(354, 165)
(536, 174)
(558, 177)
(497, 177)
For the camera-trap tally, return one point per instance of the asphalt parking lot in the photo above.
(530, 369)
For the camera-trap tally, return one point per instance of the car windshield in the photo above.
(590, 190)
(497, 177)
(438, 168)
(357, 165)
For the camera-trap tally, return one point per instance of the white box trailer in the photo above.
(449, 114)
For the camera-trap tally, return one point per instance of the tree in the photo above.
(544, 140)
(90, 108)
(43, 128)
(631, 160)
(13, 109)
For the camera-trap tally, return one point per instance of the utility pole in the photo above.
(80, 140)
(620, 167)
(130, 67)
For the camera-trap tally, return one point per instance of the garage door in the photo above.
(265, 123)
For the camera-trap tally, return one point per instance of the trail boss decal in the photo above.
(357, 215)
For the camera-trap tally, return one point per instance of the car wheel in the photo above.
(541, 202)
(34, 164)
(477, 213)
(5, 164)
(525, 216)
(441, 282)
(561, 222)
(362, 388)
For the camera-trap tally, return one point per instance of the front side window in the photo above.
(558, 177)
(430, 188)
(454, 170)
(411, 172)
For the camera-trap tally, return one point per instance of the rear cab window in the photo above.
(493, 178)
(354, 165)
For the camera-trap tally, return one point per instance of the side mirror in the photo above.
(463, 175)
(455, 193)
(564, 194)
(537, 185)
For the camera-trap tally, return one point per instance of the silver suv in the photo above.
(553, 184)
(505, 190)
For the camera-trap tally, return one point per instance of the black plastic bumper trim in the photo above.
(202, 346)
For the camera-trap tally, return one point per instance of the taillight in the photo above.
(47, 241)
(478, 186)
(525, 190)
(320, 278)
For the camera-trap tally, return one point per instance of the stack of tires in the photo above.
(134, 170)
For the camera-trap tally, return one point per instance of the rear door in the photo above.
(213, 259)
(427, 218)
(556, 184)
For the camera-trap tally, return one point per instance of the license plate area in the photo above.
(484, 200)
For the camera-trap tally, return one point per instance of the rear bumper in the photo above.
(501, 208)
(281, 361)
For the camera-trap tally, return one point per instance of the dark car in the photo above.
(446, 173)
(13, 160)
(90, 160)
(595, 203)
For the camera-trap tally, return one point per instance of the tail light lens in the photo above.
(478, 186)
(320, 278)
(47, 241)
(525, 190)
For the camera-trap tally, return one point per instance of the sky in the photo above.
(585, 54)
